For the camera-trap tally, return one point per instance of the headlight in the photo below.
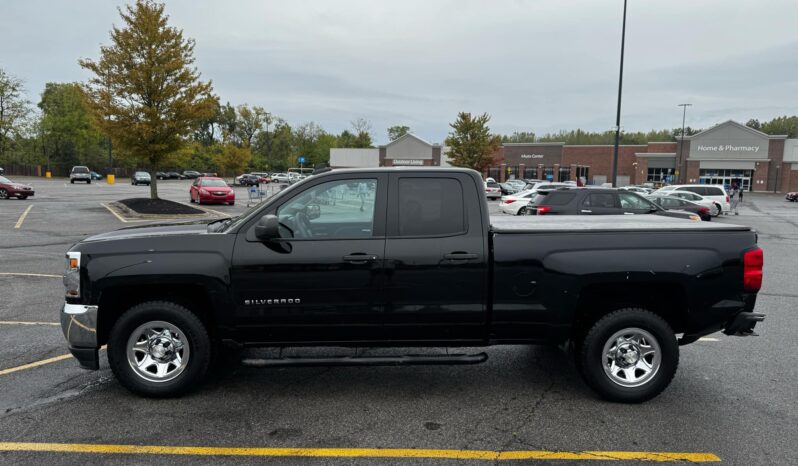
(695, 218)
(72, 275)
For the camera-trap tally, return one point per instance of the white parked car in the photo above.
(708, 192)
(492, 189)
(516, 204)
(280, 178)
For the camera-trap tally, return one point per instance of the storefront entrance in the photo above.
(727, 177)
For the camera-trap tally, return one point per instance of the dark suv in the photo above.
(597, 201)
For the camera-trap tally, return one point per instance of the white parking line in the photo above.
(115, 214)
(708, 339)
(23, 274)
(22, 217)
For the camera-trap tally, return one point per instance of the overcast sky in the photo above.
(533, 65)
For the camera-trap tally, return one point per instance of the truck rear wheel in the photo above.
(159, 349)
(629, 356)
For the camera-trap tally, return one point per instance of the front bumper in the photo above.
(21, 192)
(217, 199)
(79, 324)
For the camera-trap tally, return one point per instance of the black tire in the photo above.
(193, 333)
(719, 210)
(72, 181)
(591, 359)
(233, 203)
(22, 197)
(521, 211)
(3, 194)
(88, 181)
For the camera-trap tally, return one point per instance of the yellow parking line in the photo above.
(358, 452)
(31, 365)
(21, 274)
(17, 322)
(35, 364)
(22, 217)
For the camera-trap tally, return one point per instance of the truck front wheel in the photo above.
(629, 356)
(159, 349)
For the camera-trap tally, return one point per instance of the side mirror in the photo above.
(313, 211)
(267, 228)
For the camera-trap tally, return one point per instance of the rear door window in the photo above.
(604, 200)
(713, 191)
(558, 198)
(431, 207)
(700, 190)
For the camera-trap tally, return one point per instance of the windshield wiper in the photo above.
(225, 223)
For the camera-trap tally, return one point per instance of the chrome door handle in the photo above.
(459, 256)
(360, 258)
(587, 211)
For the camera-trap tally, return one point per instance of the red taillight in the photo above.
(509, 201)
(704, 210)
(728, 199)
(753, 261)
(542, 209)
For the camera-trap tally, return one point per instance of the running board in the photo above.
(404, 360)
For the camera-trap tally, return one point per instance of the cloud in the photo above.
(533, 65)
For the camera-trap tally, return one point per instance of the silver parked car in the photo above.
(80, 173)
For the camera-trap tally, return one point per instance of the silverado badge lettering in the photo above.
(260, 302)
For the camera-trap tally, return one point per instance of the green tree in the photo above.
(68, 131)
(395, 132)
(782, 125)
(250, 121)
(362, 131)
(519, 136)
(232, 159)
(472, 145)
(145, 90)
(753, 123)
(14, 110)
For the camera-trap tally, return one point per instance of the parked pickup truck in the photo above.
(406, 257)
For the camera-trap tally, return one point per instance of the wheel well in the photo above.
(668, 300)
(115, 301)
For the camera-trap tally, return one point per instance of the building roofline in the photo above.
(732, 122)
(406, 135)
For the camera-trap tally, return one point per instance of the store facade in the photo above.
(728, 153)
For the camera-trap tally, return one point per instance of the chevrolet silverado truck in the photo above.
(404, 258)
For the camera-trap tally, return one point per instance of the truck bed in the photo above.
(601, 223)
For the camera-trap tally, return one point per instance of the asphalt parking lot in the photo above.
(733, 399)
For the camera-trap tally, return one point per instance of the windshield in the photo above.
(80, 170)
(141, 174)
(212, 183)
(4, 180)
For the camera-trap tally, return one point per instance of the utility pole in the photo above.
(618, 114)
(681, 144)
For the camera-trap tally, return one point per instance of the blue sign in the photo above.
(550, 177)
(302, 159)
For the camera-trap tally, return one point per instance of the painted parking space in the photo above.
(373, 453)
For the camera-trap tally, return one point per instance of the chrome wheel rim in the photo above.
(631, 357)
(3, 194)
(158, 351)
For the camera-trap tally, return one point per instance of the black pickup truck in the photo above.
(406, 258)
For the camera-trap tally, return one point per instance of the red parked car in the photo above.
(793, 196)
(10, 189)
(211, 190)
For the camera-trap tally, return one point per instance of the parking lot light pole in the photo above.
(618, 114)
(681, 144)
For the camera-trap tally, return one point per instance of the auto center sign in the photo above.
(727, 148)
(531, 156)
